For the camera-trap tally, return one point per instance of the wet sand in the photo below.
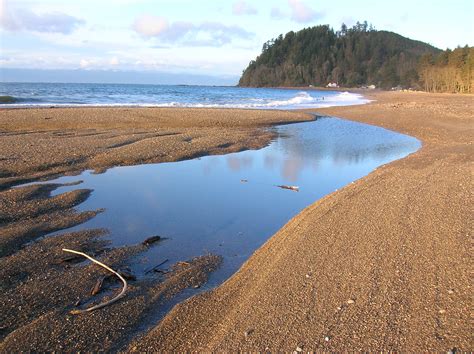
(42, 143)
(382, 264)
(40, 283)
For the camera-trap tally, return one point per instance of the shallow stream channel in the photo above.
(229, 205)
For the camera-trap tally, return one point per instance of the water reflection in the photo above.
(202, 205)
(237, 163)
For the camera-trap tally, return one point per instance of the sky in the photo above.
(215, 38)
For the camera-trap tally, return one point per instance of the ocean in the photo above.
(61, 94)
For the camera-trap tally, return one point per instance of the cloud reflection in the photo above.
(237, 163)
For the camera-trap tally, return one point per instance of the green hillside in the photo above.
(350, 57)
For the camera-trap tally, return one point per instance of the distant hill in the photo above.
(350, 57)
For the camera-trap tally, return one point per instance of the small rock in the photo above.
(299, 349)
(327, 338)
(196, 286)
(442, 311)
(307, 275)
(247, 333)
(450, 291)
(339, 308)
(151, 240)
(350, 301)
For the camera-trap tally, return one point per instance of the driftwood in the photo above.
(151, 240)
(111, 301)
(98, 285)
(291, 188)
(67, 259)
(155, 268)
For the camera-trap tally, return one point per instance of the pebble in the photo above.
(442, 311)
(247, 333)
(299, 349)
(350, 301)
(327, 338)
(450, 291)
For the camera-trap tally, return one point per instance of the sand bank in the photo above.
(41, 143)
(382, 264)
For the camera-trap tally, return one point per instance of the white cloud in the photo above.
(212, 60)
(213, 34)
(114, 61)
(276, 13)
(23, 19)
(241, 7)
(150, 26)
(301, 12)
(84, 63)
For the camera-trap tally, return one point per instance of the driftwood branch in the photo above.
(152, 269)
(291, 188)
(111, 301)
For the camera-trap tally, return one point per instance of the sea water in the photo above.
(58, 94)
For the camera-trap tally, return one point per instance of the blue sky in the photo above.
(202, 37)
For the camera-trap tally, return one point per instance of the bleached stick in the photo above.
(111, 301)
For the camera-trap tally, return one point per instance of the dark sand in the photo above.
(38, 285)
(383, 264)
(39, 143)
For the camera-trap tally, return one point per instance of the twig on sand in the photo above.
(111, 301)
(155, 268)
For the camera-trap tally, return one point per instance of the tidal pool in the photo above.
(230, 205)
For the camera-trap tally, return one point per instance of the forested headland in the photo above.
(359, 56)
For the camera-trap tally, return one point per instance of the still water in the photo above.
(230, 204)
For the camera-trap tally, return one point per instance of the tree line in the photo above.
(353, 57)
(449, 71)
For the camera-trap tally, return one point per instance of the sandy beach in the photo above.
(382, 264)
